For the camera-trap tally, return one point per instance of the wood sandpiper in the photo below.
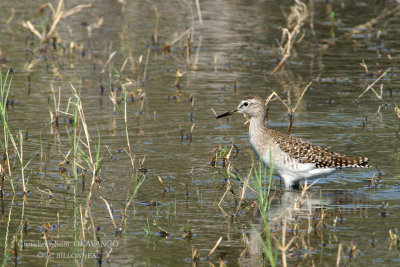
(293, 158)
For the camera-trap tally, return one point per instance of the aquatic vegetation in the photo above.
(110, 153)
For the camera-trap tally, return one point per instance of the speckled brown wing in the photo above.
(307, 152)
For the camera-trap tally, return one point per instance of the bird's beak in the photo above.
(228, 113)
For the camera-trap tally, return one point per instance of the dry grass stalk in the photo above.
(86, 143)
(283, 247)
(56, 106)
(162, 183)
(45, 232)
(113, 97)
(47, 191)
(245, 184)
(20, 155)
(110, 57)
(199, 11)
(309, 228)
(58, 14)
(228, 187)
(123, 66)
(155, 30)
(132, 158)
(187, 32)
(11, 16)
(290, 35)
(83, 223)
(290, 110)
(224, 212)
(32, 64)
(188, 46)
(197, 53)
(339, 253)
(191, 131)
(88, 213)
(386, 13)
(397, 111)
(365, 67)
(373, 83)
(5, 229)
(215, 246)
(195, 256)
(305, 187)
(110, 212)
(28, 24)
(146, 63)
(95, 25)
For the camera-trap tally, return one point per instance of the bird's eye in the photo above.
(245, 104)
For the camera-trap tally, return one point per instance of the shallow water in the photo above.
(236, 43)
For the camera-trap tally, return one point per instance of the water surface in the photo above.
(233, 53)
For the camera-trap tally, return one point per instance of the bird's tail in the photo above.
(351, 162)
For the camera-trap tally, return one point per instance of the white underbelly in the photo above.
(290, 169)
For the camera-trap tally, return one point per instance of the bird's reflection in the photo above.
(292, 212)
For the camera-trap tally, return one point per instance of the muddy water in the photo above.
(233, 53)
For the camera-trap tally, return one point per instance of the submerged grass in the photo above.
(262, 184)
(20, 154)
(137, 177)
(6, 234)
(17, 142)
(6, 167)
(88, 151)
(5, 87)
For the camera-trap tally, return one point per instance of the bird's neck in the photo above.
(259, 137)
(257, 124)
